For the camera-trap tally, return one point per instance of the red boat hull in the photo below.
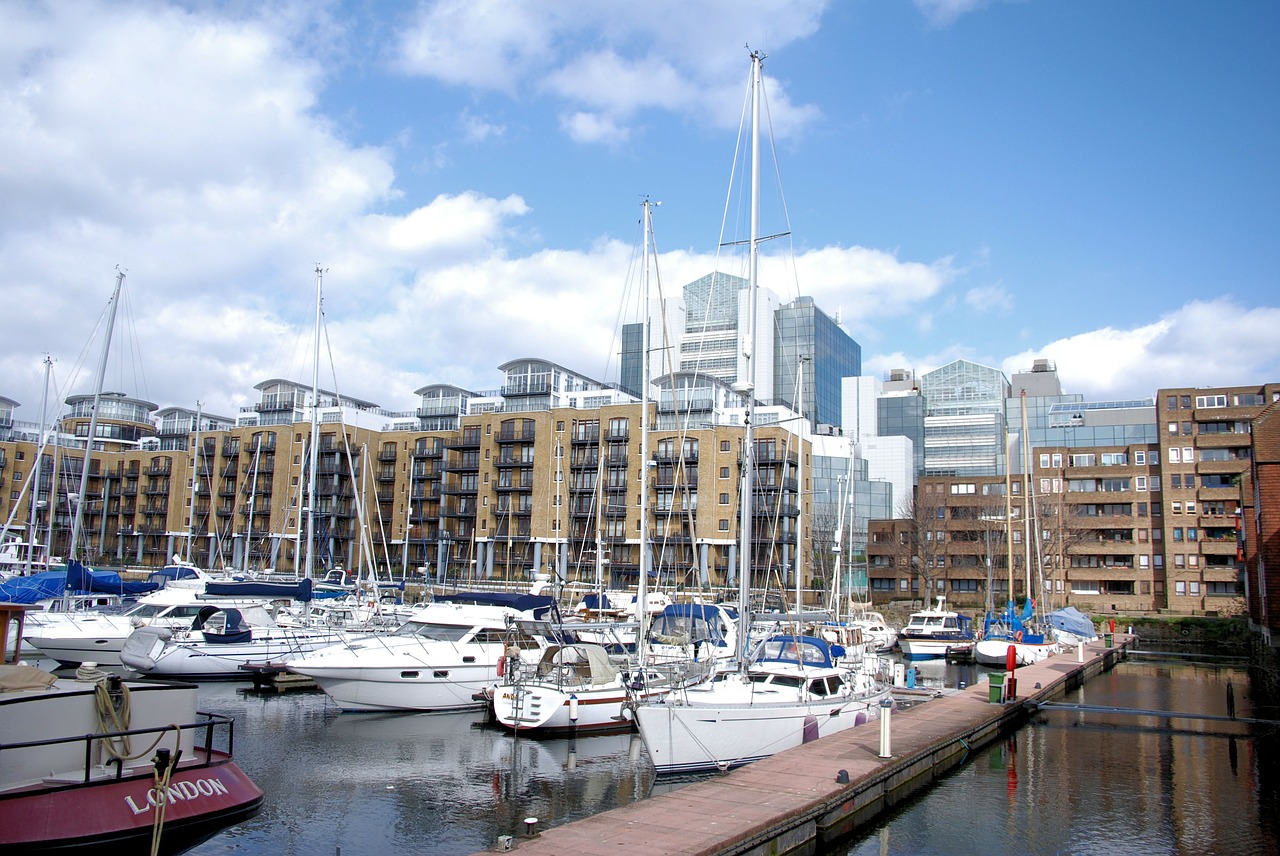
(198, 802)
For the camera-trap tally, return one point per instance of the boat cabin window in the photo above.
(489, 634)
(434, 632)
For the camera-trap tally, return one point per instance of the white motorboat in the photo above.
(98, 636)
(933, 631)
(220, 644)
(443, 658)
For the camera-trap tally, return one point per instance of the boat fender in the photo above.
(573, 707)
(502, 665)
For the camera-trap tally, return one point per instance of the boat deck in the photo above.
(792, 800)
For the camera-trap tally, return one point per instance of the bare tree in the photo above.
(920, 539)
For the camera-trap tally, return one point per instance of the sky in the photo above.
(1092, 182)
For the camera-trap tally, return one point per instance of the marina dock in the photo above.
(799, 800)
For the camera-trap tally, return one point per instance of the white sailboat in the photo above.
(577, 686)
(792, 690)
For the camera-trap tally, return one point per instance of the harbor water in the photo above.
(1069, 782)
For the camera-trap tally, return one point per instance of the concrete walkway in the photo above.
(791, 801)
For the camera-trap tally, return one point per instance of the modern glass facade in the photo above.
(801, 329)
(964, 429)
(903, 416)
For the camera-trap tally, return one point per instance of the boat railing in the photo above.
(212, 727)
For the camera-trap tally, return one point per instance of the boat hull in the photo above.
(690, 737)
(411, 686)
(152, 654)
(197, 803)
(995, 652)
(931, 648)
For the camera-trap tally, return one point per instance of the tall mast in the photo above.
(314, 451)
(195, 487)
(747, 381)
(33, 518)
(646, 552)
(1027, 506)
(93, 417)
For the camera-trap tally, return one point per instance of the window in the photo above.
(1175, 508)
(1144, 562)
(1185, 401)
(1171, 403)
(1057, 459)
(1044, 460)
(1193, 561)
(724, 525)
(1188, 455)
(1186, 429)
(1177, 533)
(1189, 480)
(1140, 483)
(1142, 509)
(1173, 428)
(724, 445)
(724, 499)
(1179, 588)
(1175, 455)
(724, 472)
(1175, 480)
(1211, 401)
(1083, 460)
(1194, 587)
(1154, 483)
(957, 489)
(1191, 506)
(1179, 560)
(1140, 457)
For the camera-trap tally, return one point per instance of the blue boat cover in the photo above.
(76, 579)
(300, 590)
(1072, 620)
(34, 588)
(802, 650)
(539, 604)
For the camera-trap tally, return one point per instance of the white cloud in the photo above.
(1186, 347)
(943, 12)
(605, 62)
(989, 299)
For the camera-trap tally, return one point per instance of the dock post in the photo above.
(886, 705)
(1079, 652)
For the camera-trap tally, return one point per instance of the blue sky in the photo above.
(1091, 182)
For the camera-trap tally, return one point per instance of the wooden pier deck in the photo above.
(791, 802)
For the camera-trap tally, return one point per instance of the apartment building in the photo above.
(538, 477)
(1205, 448)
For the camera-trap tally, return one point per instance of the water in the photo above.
(1068, 783)
(1099, 784)
(408, 783)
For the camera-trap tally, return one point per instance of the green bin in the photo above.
(1106, 638)
(997, 687)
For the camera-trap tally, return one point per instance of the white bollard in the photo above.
(1079, 652)
(886, 705)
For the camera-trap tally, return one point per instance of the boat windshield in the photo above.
(435, 632)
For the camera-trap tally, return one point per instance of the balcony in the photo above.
(615, 460)
(386, 474)
(386, 454)
(524, 435)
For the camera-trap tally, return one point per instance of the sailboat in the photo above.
(576, 686)
(1011, 628)
(790, 690)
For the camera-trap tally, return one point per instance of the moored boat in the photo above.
(930, 632)
(130, 766)
(443, 658)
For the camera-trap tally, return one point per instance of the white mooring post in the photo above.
(886, 706)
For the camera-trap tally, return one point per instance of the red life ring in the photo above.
(502, 665)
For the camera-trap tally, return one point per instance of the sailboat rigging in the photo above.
(793, 689)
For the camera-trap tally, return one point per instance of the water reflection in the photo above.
(422, 783)
(1104, 783)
